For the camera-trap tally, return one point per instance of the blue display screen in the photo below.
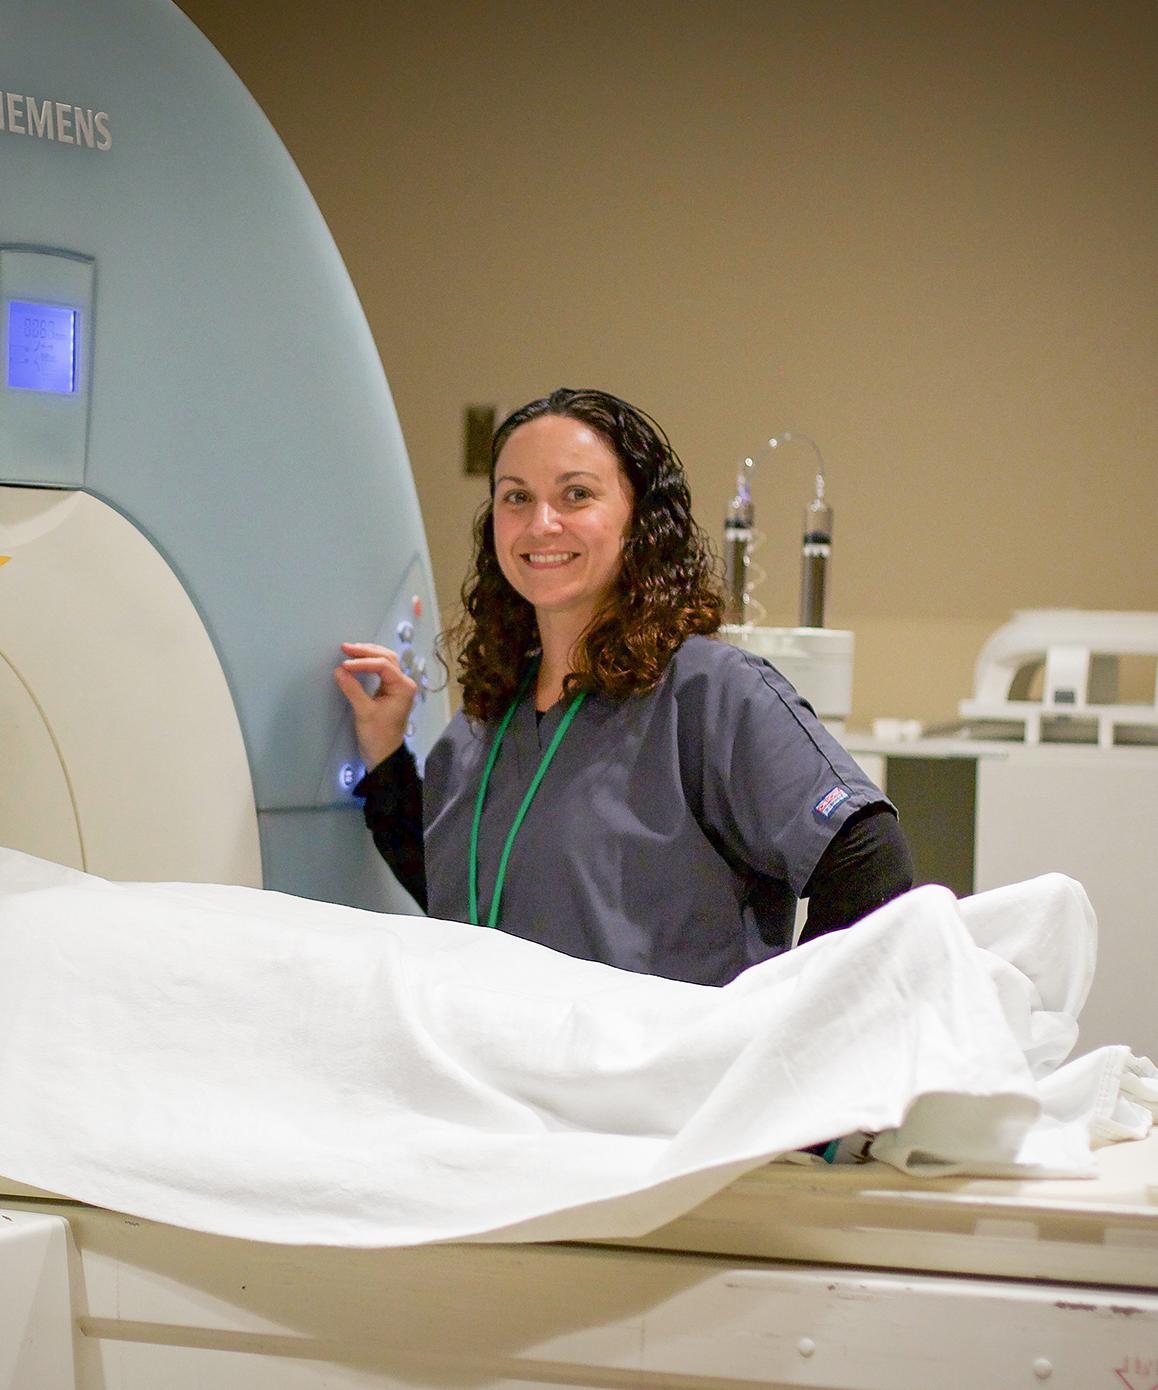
(42, 347)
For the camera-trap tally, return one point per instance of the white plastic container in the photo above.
(817, 660)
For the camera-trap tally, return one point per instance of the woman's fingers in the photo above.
(360, 650)
(363, 649)
(392, 680)
(369, 659)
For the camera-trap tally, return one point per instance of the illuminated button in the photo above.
(416, 606)
(405, 631)
(348, 776)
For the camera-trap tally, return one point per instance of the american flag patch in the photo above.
(830, 801)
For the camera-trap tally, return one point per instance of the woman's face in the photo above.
(562, 511)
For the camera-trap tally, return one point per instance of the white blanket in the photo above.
(268, 1067)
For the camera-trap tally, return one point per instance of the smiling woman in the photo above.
(643, 579)
(617, 786)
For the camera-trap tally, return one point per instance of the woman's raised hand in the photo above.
(380, 718)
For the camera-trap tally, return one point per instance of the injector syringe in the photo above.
(816, 548)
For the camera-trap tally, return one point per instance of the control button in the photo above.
(410, 729)
(406, 660)
(405, 631)
(416, 606)
(349, 775)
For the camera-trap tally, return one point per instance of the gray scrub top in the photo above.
(670, 830)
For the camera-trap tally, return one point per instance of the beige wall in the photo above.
(923, 233)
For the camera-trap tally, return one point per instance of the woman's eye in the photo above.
(578, 494)
(516, 497)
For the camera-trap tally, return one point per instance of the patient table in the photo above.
(852, 1277)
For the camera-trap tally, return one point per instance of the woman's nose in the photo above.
(546, 519)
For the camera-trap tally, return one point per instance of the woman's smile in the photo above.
(551, 560)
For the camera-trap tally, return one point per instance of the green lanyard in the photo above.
(544, 764)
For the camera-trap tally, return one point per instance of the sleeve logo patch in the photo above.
(830, 801)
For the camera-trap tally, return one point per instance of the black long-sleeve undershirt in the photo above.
(866, 864)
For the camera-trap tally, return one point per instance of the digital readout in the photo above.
(41, 347)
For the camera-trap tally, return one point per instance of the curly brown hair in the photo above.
(667, 589)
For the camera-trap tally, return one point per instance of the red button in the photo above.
(416, 604)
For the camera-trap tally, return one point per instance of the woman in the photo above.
(619, 785)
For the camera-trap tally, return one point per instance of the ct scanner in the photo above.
(203, 484)
(203, 487)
